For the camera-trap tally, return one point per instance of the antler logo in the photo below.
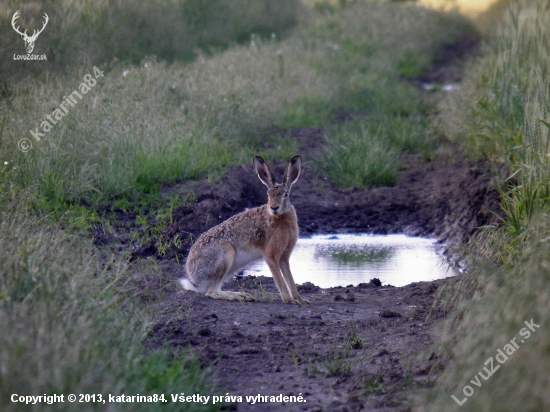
(29, 40)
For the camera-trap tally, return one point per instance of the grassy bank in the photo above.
(99, 31)
(71, 325)
(147, 125)
(502, 113)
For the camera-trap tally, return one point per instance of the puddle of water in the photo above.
(346, 259)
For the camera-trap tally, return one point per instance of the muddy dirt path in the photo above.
(350, 349)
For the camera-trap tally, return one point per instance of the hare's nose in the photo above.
(274, 208)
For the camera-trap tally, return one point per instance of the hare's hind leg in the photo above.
(222, 267)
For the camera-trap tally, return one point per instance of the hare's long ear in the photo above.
(264, 172)
(292, 172)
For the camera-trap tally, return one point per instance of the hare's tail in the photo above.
(188, 285)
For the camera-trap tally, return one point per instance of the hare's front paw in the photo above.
(302, 300)
(298, 301)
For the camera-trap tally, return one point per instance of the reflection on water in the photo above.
(341, 260)
(352, 255)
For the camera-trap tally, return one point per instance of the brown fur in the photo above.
(269, 231)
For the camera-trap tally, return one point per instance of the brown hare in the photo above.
(269, 231)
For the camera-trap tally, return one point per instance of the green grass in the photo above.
(354, 341)
(69, 327)
(366, 152)
(370, 61)
(503, 299)
(358, 157)
(307, 112)
(129, 30)
(501, 114)
(509, 122)
(337, 364)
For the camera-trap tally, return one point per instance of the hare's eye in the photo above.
(286, 194)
